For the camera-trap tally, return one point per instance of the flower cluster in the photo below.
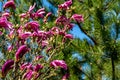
(33, 36)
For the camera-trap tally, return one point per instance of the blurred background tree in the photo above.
(102, 26)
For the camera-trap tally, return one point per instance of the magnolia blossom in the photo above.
(55, 30)
(69, 36)
(65, 5)
(28, 75)
(40, 13)
(9, 4)
(46, 17)
(4, 23)
(23, 15)
(6, 67)
(31, 70)
(59, 63)
(20, 52)
(78, 18)
(31, 8)
(6, 14)
(10, 48)
(38, 57)
(38, 67)
(62, 20)
(25, 35)
(44, 44)
(27, 66)
(32, 25)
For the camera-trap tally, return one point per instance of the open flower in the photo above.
(20, 52)
(9, 4)
(33, 25)
(62, 20)
(78, 18)
(4, 23)
(25, 35)
(31, 8)
(6, 67)
(65, 5)
(40, 13)
(59, 63)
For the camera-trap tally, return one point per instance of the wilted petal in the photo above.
(20, 52)
(9, 4)
(6, 67)
(59, 63)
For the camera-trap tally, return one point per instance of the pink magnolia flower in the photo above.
(59, 63)
(40, 13)
(38, 57)
(46, 17)
(33, 25)
(69, 36)
(48, 49)
(44, 44)
(62, 20)
(6, 67)
(20, 52)
(28, 75)
(10, 48)
(55, 30)
(11, 34)
(38, 67)
(1, 33)
(62, 33)
(77, 18)
(9, 4)
(31, 8)
(65, 5)
(25, 35)
(23, 15)
(27, 66)
(6, 14)
(4, 23)
(31, 71)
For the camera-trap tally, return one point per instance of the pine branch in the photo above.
(87, 33)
